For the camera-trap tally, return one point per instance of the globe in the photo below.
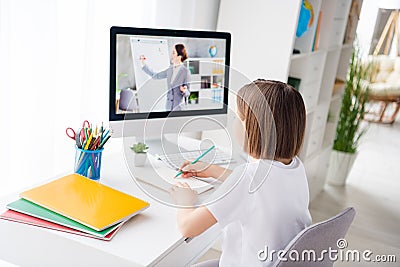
(212, 51)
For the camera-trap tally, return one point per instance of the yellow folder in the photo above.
(85, 201)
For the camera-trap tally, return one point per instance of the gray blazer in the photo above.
(175, 98)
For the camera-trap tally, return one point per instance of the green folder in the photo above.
(29, 208)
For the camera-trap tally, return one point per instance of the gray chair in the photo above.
(318, 237)
(127, 101)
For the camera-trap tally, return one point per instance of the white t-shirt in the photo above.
(271, 216)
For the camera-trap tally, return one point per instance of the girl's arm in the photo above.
(193, 222)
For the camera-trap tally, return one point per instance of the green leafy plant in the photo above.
(140, 148)
(352, 112)
(193, 97)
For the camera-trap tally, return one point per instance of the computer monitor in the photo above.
(162, 79)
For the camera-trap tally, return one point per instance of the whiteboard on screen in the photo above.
(151, 92)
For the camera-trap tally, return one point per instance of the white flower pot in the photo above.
(340, 165)
(139, 159)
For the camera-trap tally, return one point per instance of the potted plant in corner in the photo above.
(140, 157)
(348, 132)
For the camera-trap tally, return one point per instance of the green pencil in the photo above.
(197, 159)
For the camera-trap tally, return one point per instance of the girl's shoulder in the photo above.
(249, 170)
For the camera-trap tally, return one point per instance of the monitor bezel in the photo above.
(115, 30)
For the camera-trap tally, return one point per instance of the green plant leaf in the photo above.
(140, 148)
(352, 111)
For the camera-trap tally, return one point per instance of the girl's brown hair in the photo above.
(181, 51)
(275, 119)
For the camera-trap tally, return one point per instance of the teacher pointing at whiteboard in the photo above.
(177, 75)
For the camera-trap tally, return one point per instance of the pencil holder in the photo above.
(88, 162)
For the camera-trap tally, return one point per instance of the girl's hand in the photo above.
(183, 195)
(199, 169)
(204, 170)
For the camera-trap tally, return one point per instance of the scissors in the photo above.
(78, 138)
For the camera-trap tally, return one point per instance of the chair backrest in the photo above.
(385, 69)
(127, 100)
(318, 237)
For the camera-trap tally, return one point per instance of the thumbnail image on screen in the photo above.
(159, 73)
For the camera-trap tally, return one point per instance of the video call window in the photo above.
(161, 73)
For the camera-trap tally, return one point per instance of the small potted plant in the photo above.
(193, 99)
(140, 150)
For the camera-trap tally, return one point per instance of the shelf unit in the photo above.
(207, 80)
(322, 73)
(272, 37)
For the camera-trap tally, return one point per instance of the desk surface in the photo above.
(149, 239)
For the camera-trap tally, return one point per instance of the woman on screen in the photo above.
(177, 75)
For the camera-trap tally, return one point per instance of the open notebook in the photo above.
(163, 178)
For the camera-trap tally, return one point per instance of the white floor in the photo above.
(373, 189)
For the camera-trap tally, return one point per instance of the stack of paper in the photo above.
(75, 204)
(164, 178)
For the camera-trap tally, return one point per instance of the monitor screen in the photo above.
(158, 73)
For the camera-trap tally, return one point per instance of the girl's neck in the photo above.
(284, 161)
(177, 64)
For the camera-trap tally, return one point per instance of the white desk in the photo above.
(149, 239)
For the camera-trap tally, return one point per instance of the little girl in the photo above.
(267, 202)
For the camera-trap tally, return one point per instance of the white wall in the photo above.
(254, 24)
(366, 25)
(54, 73)
(187, 14)
(28, 53)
